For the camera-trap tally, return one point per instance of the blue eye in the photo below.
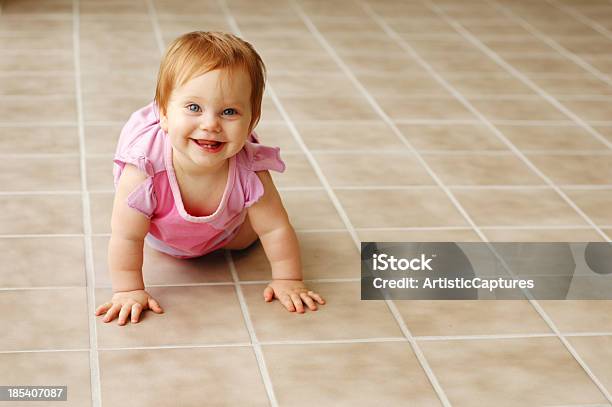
(229, 112)
(192, 107)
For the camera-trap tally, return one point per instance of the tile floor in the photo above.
(441, 120)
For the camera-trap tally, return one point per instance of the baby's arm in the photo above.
(125, 254)
(271, 223)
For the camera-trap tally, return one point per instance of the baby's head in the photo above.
(209, 87)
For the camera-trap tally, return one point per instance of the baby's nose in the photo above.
(210, 122)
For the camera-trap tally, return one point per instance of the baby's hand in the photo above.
(291, 293)
(126, 302)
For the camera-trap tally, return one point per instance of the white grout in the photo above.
(94, 363)
(582, 18)
(468, 36)
(552, 43)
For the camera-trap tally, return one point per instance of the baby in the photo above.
(191, 177)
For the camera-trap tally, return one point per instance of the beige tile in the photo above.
(594, 45)
(483, 28)
(596, 351)
(465, 317)
(480, 169)
(489, 84)
(38, 109)
(349, 136)
(102, 139)
(451, 137)
(405, 11)
(524, 207)
(510, 372)
(601, 62)
(448, 235)
(542, 235)
(31, 61)
(419, 25)
(96, 24)
(341, 8)
(57, 262)
(361, 169)
(590, 110)
(277, 135)
(407, 84)
(545, 63)
(33, 41)
(290, 84)
(69, 369)
(119, 41)
(345, 26)
(311, 210)
(201, 8)
(108, 83)
(330, 108)
(464, 62)
(423, 108)
(298, 172)
(319, 62)
(19, 23)
(100, 173)
(111, 60)
(272, 10)
(399, 208)
(172, 23)
(392, 63)
(578, 85)
(101, 209)
(160, 268)
(21, 83)
(441, 46)
(44, 319)
(580, 315)
(589, 169)
(323, 255)
(192, 316)
(211, 374)
(606, 131)
(112, 108)
(348, 42)
(344, 316)
(48, 140)
(267, 43)
(21, 214)
(269, 110)
(513, 45)
(393, 377)
(595, 203)
(94, 8)
(35, 174)
(517, 109)
(550, 138)
(287, 25)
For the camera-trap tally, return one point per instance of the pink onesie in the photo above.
(145, 145)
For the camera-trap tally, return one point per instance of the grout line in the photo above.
(459, 28)
(552, 43)
(319, 342)
(392, 307)
(261, 362)
(582, 18)
(94, 363)
(496, 131)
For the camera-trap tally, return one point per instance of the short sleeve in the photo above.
(142, 198)
(258, 157)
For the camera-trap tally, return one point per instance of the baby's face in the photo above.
(213, 107)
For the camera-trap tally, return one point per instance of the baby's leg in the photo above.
(246, 236)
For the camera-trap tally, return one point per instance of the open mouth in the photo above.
(210, 146)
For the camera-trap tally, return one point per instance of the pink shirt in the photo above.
(145, 145)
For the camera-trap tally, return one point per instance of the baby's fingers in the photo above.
(125, 312)
(297, 301)
(308, 301)
(317, 297)
(154, 306)
(103, 308)
(136, 310)
(286, 301)
(112, 312)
